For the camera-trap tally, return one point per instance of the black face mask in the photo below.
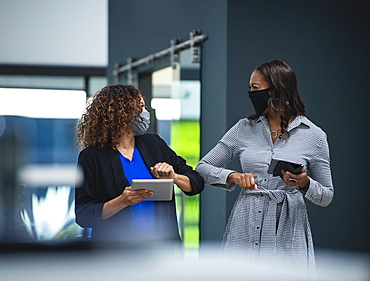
(259, 100)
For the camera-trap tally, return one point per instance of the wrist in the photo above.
(305, 185)
(122, 200)
(230, 177)
(175, 177)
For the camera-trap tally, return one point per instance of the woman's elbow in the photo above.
(326, 198)
(84, 219)
(196, 183)
(80, 221)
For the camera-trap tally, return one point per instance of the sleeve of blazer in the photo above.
(88, 207)
(161, 152)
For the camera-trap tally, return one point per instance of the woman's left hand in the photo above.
(163, 171)
(302, 180)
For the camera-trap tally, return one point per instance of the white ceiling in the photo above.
(54, 32)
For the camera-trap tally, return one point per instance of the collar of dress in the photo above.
(296, 122)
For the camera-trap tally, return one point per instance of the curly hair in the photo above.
(109, 116)
(285, 100)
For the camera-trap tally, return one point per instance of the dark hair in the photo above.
(109, 116)
(285, 99)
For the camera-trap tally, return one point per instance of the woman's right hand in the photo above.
(132, 197)
(128, 197)
(244, 180)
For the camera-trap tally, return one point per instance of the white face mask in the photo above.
(141, 125)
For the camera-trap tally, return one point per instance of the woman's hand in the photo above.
(132, 197)
(244, 180)
(128, 197)
(163, 171)
(302, 180)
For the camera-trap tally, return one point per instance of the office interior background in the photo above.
(70, 49)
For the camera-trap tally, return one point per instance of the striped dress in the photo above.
(271, 224)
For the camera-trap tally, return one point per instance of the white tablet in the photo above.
(163, 188)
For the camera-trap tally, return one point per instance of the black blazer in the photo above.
(104, 179)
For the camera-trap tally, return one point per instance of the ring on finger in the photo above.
(252, 180)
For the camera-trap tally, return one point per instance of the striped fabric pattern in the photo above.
(271, 224)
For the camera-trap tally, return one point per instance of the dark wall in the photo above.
(326, 43)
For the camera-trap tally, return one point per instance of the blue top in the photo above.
(142, 213)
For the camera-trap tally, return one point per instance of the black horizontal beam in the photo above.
(47, 70)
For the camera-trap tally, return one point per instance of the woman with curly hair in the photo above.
(269, 219)
(115, 150)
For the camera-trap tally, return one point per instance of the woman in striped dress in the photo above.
(269, 220)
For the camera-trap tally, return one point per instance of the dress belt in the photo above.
(269, 226)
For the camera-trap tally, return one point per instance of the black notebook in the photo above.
(277, 165)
